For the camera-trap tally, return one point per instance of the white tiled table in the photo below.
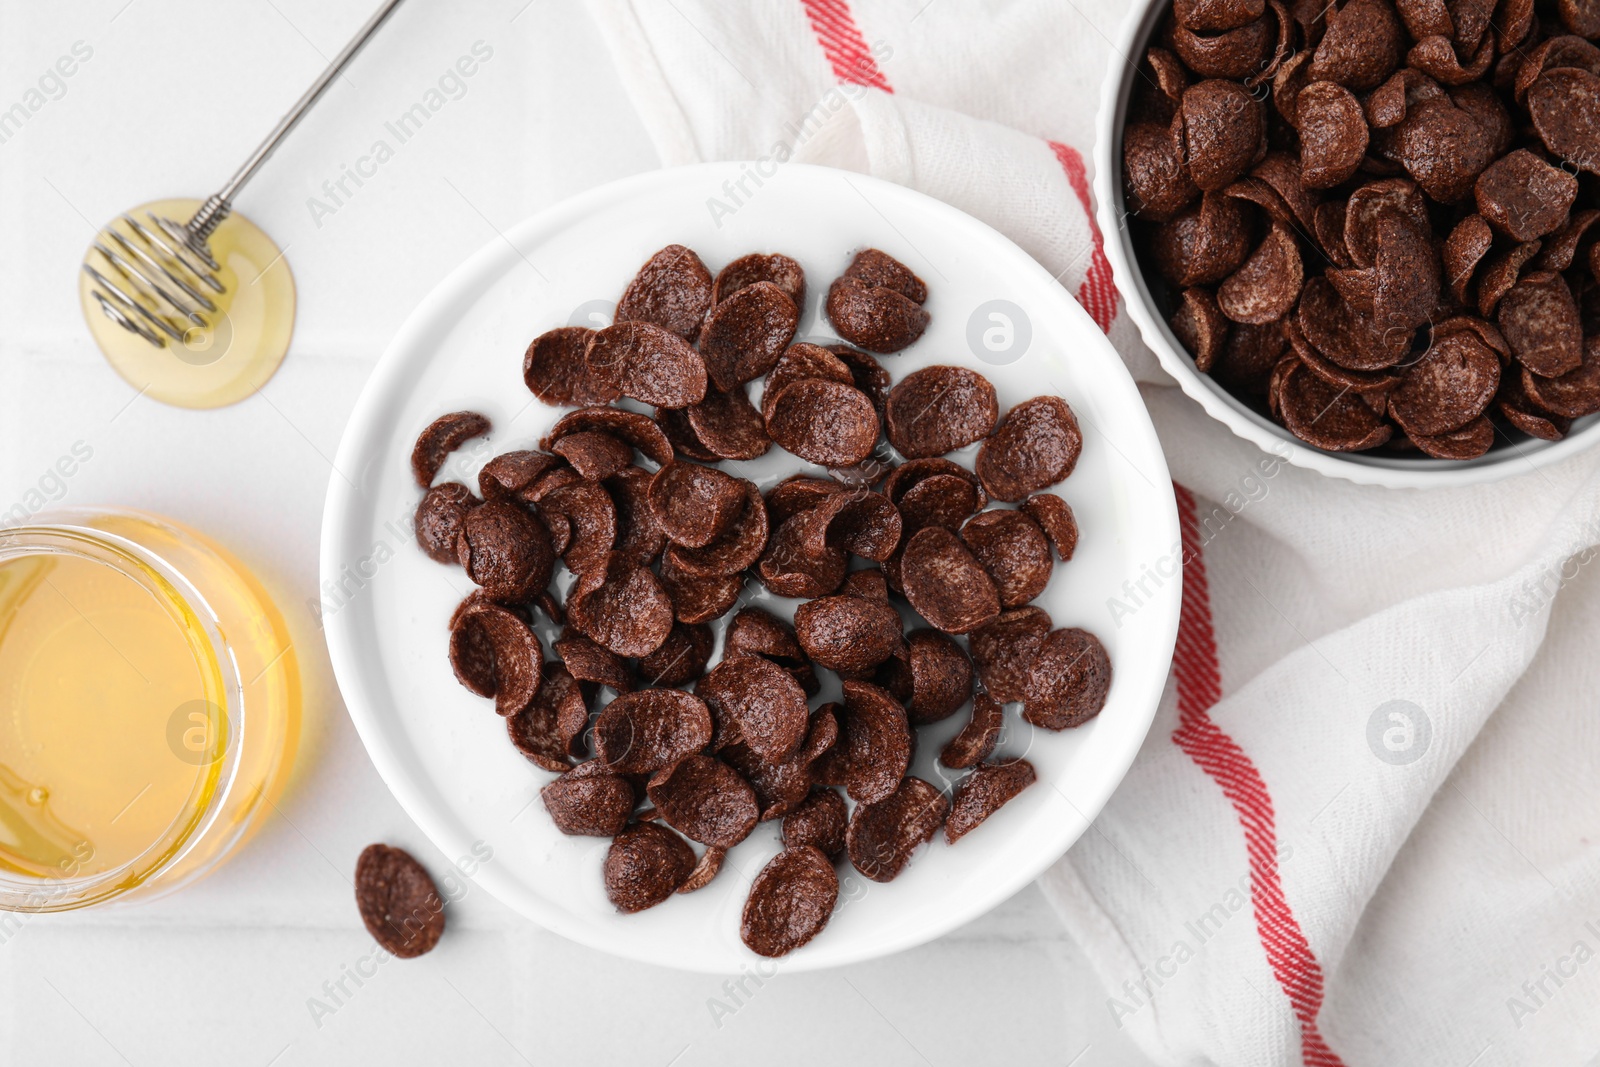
(232, 970)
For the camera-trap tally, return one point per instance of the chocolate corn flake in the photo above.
(1528, 415)
(977, 739)
(939, 409)
(874, 747)
(883, 836)
(630, 426)
(1571, 395)
(738, 547)
(781, 786)
(1068, 680)
(746, 271)
(1362, 45)
(1449, 386)
(859, 521)
(876, 318)
(866, 583)
(1500, 272)
(1328, 416)
(800, 361)
(645, 865)
(849, 634)
(588, 662)
(1212, 16)
(705, 800)
(757, 703)
(556, 370)
(1055, 518)
(1204, 243)
(1469, 442)
(511, 474)
(672, 290)
(675, 425)
(694, 504)
(1343, 333)
(622, 606)
(441, 437)
(587, 513)
(1013, 549)
(589, 801)
(1560, 249)
(826, 422)
(1265, 285)
(1564, 105)
(1333, 135)
(594, 455)
(1035, 446)
(638, 535)
(746, 333)
(940, 500)
(819, 821)
(505, 550)
(495, 654)
(764, 634)
(439, 518)
(727, 426)
(790, 901)
(1200, 326)
(797, 493)
(398, 901)
(933, 680)
(1463, 250)
(946, 584)
(647, 363)
(1157, 183)
(869, 375)
(1524, 197)
(877, 303)
(984, 792)
(942, 503)
(648, 729)
(881, 270)
(1237, 53)
(1223, 130)
(1539, 320)
(695, 598)
(707, 867)
(549, 731)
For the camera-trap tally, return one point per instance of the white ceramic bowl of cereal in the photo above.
(445, 753)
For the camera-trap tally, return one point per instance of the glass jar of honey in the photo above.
(149, 708)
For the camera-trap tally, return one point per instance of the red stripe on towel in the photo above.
(1098, 294)
(1199, 687)
(841, 41)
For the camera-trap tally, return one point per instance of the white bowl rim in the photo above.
(1395, 472)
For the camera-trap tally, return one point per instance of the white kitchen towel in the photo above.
(1363, 828)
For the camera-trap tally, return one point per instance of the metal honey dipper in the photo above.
(165, 300)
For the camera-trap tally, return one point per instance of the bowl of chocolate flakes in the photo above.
(1362, 233)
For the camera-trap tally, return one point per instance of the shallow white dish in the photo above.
(444, 752)
(1508, 457)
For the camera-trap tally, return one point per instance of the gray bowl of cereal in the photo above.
(1362, 237)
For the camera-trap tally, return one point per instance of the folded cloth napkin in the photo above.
(1362, 829)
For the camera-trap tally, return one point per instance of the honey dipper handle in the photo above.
(218, 207)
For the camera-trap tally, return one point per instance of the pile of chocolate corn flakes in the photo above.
(662, 537)
(1375, 218)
